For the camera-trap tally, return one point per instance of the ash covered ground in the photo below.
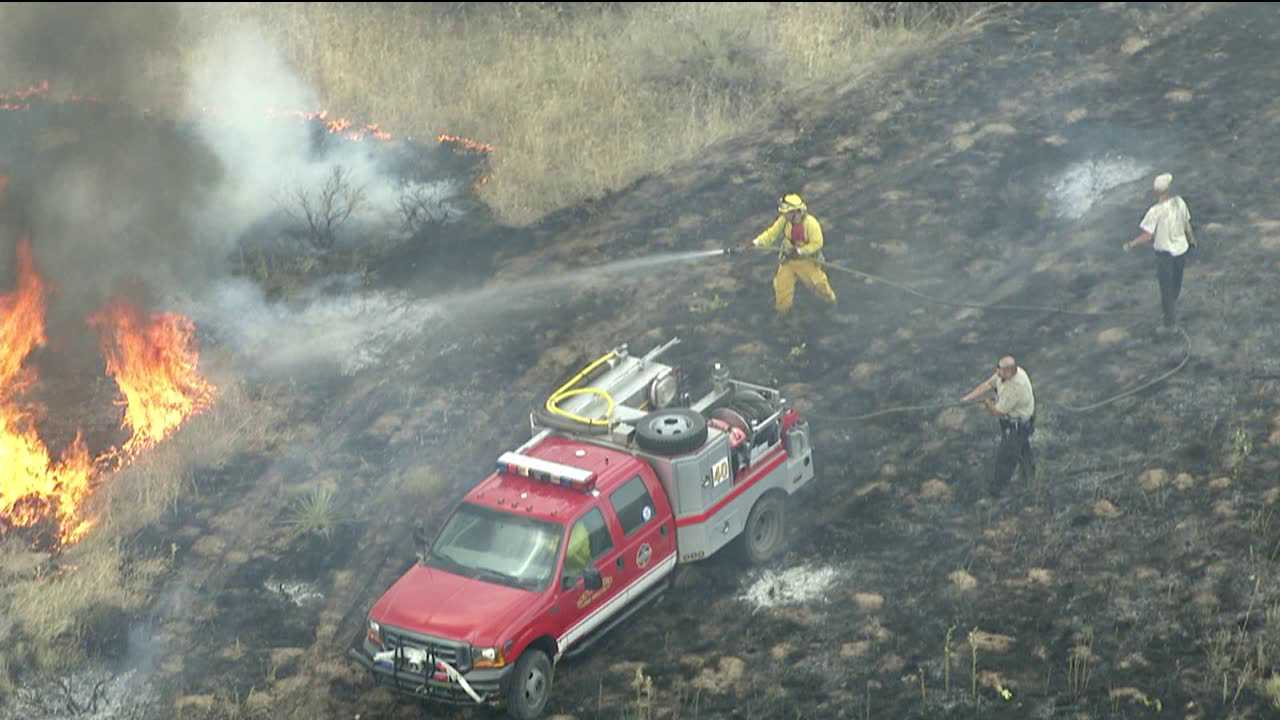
(1139, 571)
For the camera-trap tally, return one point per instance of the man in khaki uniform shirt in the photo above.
(1015, 406)
(1167, 227)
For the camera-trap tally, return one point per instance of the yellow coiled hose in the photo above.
(565, 392)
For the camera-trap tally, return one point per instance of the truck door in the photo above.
(648, 533)
(590, 544)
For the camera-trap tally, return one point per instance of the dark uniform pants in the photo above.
(1169, 273)
(1014, 452)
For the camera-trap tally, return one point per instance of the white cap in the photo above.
(1163, 182)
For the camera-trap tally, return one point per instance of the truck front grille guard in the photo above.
(435, 652)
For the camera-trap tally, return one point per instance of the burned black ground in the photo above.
(947, 174)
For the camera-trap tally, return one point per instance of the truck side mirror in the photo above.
(592, 578)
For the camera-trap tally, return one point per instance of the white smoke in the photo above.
(249, 104)
(249, 107)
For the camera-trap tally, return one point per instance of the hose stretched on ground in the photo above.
(1186, 356)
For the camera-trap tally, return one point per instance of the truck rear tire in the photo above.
(530, 686)
(763, 536)
(672, 431)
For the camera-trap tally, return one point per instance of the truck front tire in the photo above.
(763, 536)
(530, 686)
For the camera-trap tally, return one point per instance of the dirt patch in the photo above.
(868, 602)
(1112, 337)
(724, 677)
(962, 581)
(1105, 510)
(1152, 480)
(935, 490)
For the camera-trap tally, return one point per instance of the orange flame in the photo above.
(466, 143)
(154, 364)
(31, 485)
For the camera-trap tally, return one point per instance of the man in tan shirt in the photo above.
(1015, 406)
(1167, 227)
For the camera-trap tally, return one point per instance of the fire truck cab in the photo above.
(583, 525)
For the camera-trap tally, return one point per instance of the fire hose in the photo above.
(1186, 356)
(569, 390)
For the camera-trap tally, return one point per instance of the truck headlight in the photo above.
(374, 634)
(487, 657)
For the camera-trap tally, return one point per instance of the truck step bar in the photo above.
(585, 643)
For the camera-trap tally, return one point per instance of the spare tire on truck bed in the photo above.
(672, 431)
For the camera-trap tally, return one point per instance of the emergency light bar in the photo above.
(546, 471)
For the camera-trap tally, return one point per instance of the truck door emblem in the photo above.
(642, 557)
(720, 472)
(588, 595)
(647, 513)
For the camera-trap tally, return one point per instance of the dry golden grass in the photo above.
(157, 481)
(57, 609)
(578, 102)
(61, 609)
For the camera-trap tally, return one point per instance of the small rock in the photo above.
(962, 580)
(1221, 483)
(1153, 480)
(1184, 481)
(868, 602)
(1104, 509)
(934, 490)
(1112, 336)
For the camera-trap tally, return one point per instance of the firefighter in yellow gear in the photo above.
(798, 237)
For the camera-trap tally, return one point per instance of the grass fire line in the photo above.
(154, 365)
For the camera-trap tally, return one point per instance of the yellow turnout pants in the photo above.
(810, 273)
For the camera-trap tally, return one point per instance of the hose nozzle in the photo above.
(730, 250)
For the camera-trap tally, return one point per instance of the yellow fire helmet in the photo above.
(791, 202)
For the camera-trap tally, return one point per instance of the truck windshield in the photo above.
(498, 547)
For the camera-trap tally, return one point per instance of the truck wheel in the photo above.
(672, 431)
(766, 527)
(530, 686)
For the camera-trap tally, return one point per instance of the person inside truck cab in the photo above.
(578, 556)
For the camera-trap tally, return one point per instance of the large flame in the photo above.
(154, 364)
(153, 361)
(32, 486)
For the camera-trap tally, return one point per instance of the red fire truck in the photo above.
(583, 525)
